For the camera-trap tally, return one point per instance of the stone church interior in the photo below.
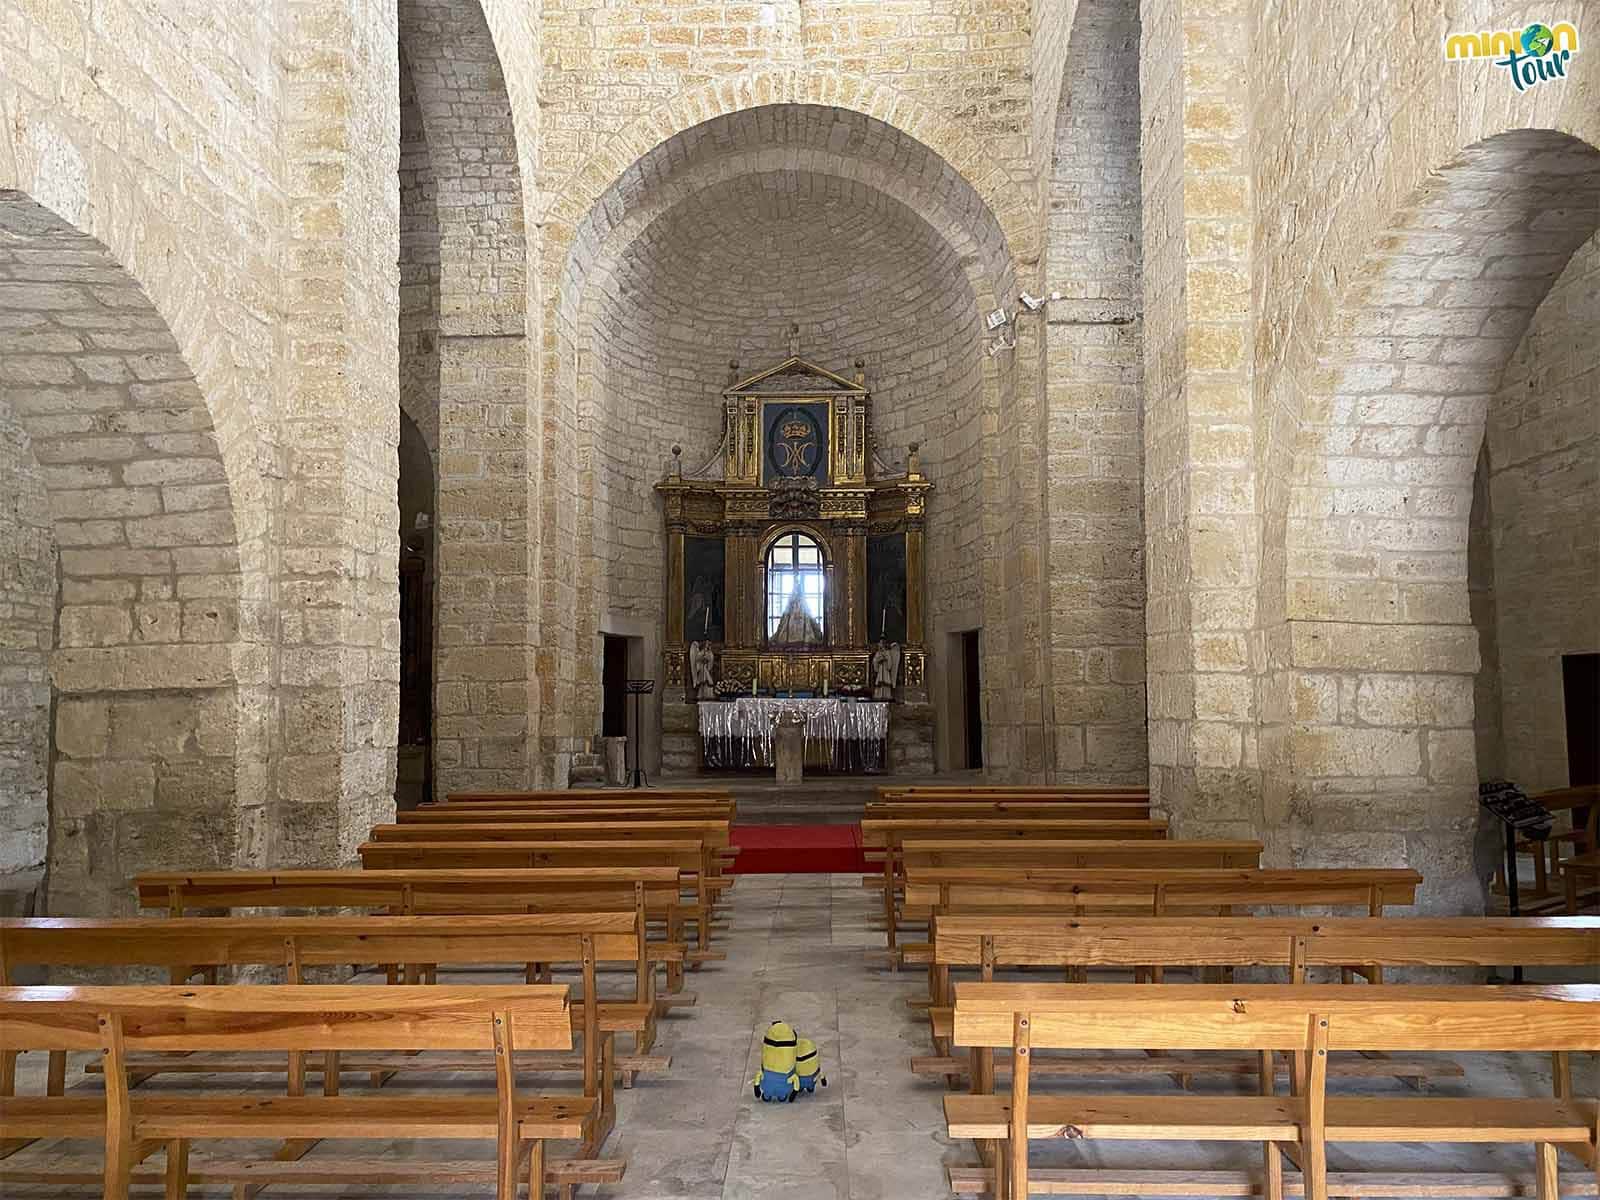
(878, 599)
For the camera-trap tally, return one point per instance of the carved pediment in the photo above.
(794, 375)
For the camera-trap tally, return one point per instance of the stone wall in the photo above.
(1094, 377)
(708, 249)
(27, 634)
(1543, 446)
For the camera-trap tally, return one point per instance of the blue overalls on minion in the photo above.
(808, 1066)
(777, 1080)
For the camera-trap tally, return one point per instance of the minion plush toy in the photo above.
(777, 1080)
(808, 1065)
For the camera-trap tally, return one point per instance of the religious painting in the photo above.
(886, 587)
(704, 560)
(796, 442)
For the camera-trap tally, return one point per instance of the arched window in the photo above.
(797, 591)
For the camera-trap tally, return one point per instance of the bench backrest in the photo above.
(582, 889)
(298, 942)
(1294, 943)
(1020, 855)
(1151, 891)
(299, 1017)
(889, 791)
(712, 833)
(1201, 1016)
(598, 796)
(970, 810)
(455, 814)
(893, 831)
(685, 855)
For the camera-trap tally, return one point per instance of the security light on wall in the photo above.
(997, 319)
(1034, 303)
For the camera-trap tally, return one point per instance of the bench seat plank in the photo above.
(1277, 1118)
(1226, 1185)
(394, 1115)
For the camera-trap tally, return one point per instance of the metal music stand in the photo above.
(637, 688)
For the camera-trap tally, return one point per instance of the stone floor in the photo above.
(799, 949)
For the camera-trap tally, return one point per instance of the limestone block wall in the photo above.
(1094, 375)
(1543, 448)
(467, 239)
(711, 248)
(1388, 299)
(142, 354)
(27, 634)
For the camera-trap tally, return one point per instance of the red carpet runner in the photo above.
(797, 849)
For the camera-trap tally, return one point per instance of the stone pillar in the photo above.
(337, 543)
(488, 681)
(1201, 537)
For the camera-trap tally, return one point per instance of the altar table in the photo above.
(840, 734)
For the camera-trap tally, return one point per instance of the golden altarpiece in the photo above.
(792, 552)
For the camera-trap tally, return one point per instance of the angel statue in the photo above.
(702, 661)
(885, 670)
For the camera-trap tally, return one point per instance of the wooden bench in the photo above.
(596, 796)
(653, 893)
(187, 947)
(713, 833)
(691, 858)
(117, 1022)
(1356, 946)
(1578, 872)
(455, 814)
(888, 836)
(961, 790)
(1150, 891)
(988, 810)
(1021, 860)
(1308, 1022)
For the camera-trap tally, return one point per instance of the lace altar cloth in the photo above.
(742, 732)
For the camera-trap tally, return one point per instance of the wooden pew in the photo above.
(117, 1022)
(691, 858)
(456, 814)
(1356, 946)
(1147, 891)
(1021, 859)
(595, 796)
(972, 810)
(653, 893)
(713, 833)
(189, 946)
(888, 835)
(889, 791)
(1307, 1021)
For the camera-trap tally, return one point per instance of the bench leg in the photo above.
(177, 1174)
(536, 1170)
(1549, 1171)
(55, 1083)
(1272, 1160)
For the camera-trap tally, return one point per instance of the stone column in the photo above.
(1201, 536)
(337, 539)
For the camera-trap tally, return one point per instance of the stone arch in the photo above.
(466, 133)
(159, 733)
(775, 157)
(419, 268)
(1094, 397)
(1005, 197)
(1368, 751)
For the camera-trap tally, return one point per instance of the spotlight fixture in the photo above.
(1034, 303)
(997, 319)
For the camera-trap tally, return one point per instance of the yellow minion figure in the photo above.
(777, 1080)
(808, 1065)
